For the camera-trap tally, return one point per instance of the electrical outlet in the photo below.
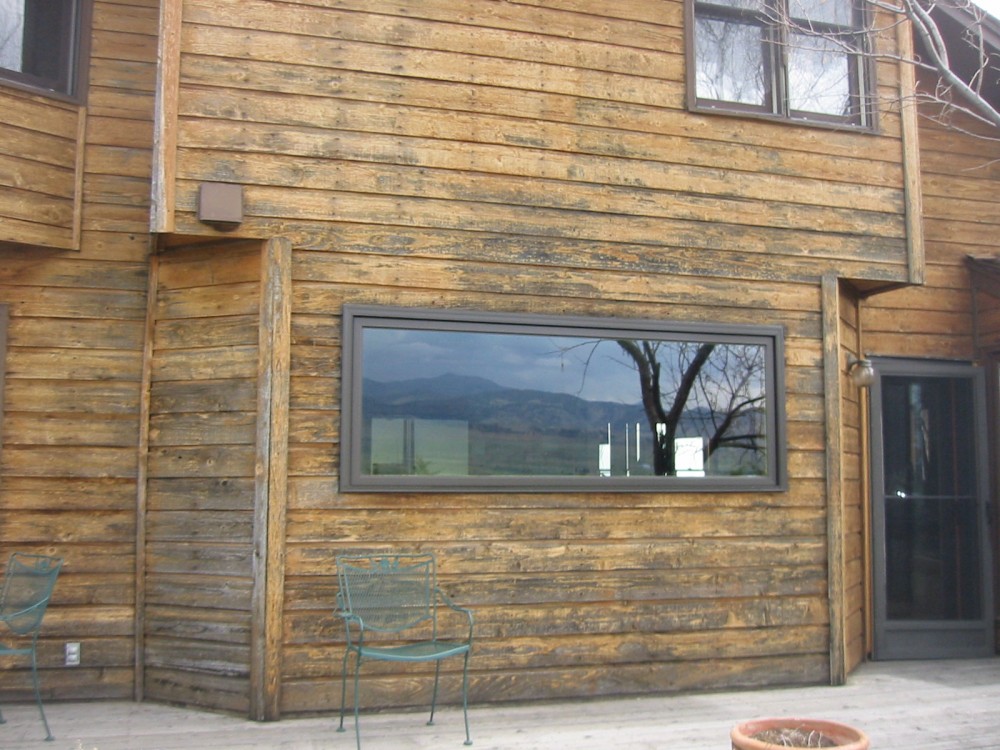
(72, 654)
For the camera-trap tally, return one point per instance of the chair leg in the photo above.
(357, 697)
(465, 698)
(38, 696)
(343, 689)
(434, 695)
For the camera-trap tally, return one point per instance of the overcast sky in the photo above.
(577, 366)
(990, 6)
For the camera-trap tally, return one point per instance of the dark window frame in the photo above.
(358, 317)
(72, 40)
(776, 68)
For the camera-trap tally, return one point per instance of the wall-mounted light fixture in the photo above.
(860, 371)
(220, 205)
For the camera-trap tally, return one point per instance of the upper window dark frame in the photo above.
(357, 319)
(776, 24)
(72, 40)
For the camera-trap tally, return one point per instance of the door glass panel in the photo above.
(931, 528)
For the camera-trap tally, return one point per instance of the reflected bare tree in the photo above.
(967, 70)
(808, 56)
(956, 49)
(719, 386)
(11, 32)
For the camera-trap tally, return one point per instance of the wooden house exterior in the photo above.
(180, 239)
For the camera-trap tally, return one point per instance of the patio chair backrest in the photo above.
(389, 593)
(27, 588)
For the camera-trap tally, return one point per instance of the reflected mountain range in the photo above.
(494, 407)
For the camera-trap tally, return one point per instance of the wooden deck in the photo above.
(941, 705)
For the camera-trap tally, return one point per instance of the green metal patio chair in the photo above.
(382, 597)
(27, 588)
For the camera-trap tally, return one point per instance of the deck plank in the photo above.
(941, 705)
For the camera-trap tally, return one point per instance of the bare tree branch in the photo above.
(936, 48)
(957, 89)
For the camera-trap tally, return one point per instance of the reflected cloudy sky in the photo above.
(584, 367)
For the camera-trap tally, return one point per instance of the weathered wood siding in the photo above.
(72, 394)
(536, 158)
(557, 123)
(41, 155)
(961, 218)
(199, 514)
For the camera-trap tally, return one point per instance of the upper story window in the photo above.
(40, 44)
(456, 401)
(796, 59)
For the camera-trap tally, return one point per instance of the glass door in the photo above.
(932, 584)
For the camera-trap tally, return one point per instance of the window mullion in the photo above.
(779, 73)
(778, 36)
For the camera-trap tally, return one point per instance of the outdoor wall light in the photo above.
(860, 371)
(220, 205)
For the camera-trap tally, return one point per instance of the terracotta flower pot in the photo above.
(843, 736)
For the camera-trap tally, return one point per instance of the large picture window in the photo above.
(438, 400)
(799, 59)
(40, 44)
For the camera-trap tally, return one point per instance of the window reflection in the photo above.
(475, 400)
(931, 509)
(836, 12)
(730, 62)
(819, 76)
(12, 34)
(792, 58)
(38, 42)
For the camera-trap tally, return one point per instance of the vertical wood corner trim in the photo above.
(79, 167)
(834, 494)
(161, 217)
(912, 190)
(142, 476)
(271, 480)
(864, 424)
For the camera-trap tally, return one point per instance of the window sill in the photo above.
(40, 91)
(808, 122)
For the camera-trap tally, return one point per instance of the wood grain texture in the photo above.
(960, 220)
(448, 119)
(40, 170)
(271, 476)
(202, 557)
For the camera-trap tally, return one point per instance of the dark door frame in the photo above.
(901, 639)
(992, 367)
